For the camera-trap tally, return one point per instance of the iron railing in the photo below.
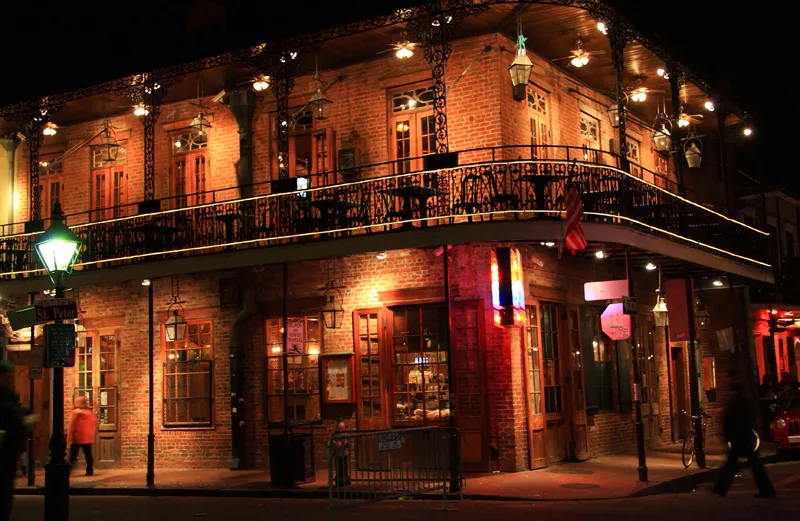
(488, 184)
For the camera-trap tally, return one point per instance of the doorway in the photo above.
(679, 399)
(41, 401)
(648, 386)
(97, 378)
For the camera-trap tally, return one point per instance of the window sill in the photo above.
(189, 428)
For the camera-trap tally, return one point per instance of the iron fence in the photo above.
(495, 184)
(365, 466)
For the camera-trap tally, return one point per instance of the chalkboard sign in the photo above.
(60, 345)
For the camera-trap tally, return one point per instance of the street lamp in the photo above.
(58, 249)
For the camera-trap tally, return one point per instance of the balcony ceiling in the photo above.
(551, 32)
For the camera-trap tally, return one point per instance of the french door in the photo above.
(371, 387)
(109, 193)
(189, 173)
(97, 374)
(413, 135)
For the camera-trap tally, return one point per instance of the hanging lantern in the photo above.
(520, 68)
(318, 102)
(660, 312)
(702, 320)
(614, 115)
(175, 326)
(332, 310)
(662, 138)
(109, 146)
(199, 127)
(693, 152)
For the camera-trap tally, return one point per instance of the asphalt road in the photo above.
(699, 505)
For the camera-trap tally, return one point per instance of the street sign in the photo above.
(60, 345)
(55, 309)
(615, 323)
(21, 318)
(37, 361)
(629, 305)
(605, 290)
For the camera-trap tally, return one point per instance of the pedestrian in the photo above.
(82, 424)
(738, 422)
(12, 437)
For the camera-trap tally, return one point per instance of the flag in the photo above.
(574, 239)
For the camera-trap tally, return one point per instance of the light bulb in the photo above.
(602, 27)
(650, 266)
(548, 244)
(661, 72)
(178, 143)
(747, 131)
(381, 255)
(49, 129)
(683, 122)
(146, 282)
(576, 62)
(717, 283)
(709, 105)
(405, 51)
(600, 254)
(412, 103)
(584, 60)
(140, 110)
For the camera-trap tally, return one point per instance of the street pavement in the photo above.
(698, 505)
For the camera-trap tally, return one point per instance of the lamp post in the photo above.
(58, 250)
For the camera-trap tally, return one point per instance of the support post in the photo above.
(285, 317)
(31, 389)
(437, 54)
(677, 152)
(669, 384)
(34, 138)
(455, 456)
(243, 105)
(637, 397)
(56, 472)
(722, 115)
(150, 97)
(151, 436)
(10, 143)
(617, 40)
(694, 388)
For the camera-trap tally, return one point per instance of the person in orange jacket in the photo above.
(82, 424)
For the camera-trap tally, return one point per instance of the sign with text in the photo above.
(605, 290)
(615, 323)
(391, 441)
(37, 362)
(295, 338)
(60, 339)
(55, 309)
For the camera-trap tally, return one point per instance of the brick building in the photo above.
(241, 206)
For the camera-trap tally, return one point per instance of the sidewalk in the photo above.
(606, 477)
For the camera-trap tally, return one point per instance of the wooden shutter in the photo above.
(624, 375)
(589, 373)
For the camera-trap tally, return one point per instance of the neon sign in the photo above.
(508, 293)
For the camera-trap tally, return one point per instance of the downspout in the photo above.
(238, 350)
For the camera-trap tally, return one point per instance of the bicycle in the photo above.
(688, 451)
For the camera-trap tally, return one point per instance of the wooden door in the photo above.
(371, 386)
(576, 403)
(557, 430)
(469, 383)
(109, 193)
(679, 392)
(534, 383)
(648, 386)
(40, 405)
(413, 135)
(97, 379)
(189, 173)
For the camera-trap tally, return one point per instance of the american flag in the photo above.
(574, 239)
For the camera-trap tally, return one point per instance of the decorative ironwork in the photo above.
(618, 37)
(485, 188)
(34, 138)
(675, 83)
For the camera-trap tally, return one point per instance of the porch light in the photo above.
(709, 105)
(693, 151)
(146, 282)
(381, 255)
(613, 114)
(520, 70)
(404, 50)
(318, 102)
(661, 72)
(199, 127)
(548, 244)
(332, 310)
(718, 283)
(109, 146)
(600, 254)
(261, 83)
(702, 320)
(175, 326)
(650, 266)
(58, 248)
(639, 95)
(140, 110)
(50, 129)
(747, 131)
(662, 139)
(581, 59)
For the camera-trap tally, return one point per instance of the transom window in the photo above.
(537, 101)
(188, 378)
(188, 141)
(412, 99)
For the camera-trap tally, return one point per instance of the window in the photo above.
(413, 128)
(421, 386)
(602, 365)
(302, 378)
(310, 149)
(551, 359)
(96, 373)
(539, 119)
(634, 157)
(534, 366)
(189, 169)
(109, 184)
(369, 360)
(51, 182)
(188, 378)
(710, 379)
(590, 137)
(579, 399)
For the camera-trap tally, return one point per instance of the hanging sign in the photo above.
(508, 293)
(615, 323)
(629, 305)
(60, 340)
(605, 290)
(295, 338)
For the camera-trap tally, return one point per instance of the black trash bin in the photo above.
(291, 459)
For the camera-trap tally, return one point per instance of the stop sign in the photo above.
(615, 323)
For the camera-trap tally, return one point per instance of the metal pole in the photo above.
(32, 390)
(455, 460)
(151, 436)
(721, 117)
(56, 472)
(617, 41)
(694, 390)
(285, 350)
(637, 399)
(669, 383)
(677, 152)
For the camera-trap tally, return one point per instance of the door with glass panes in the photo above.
(648, 387)
(97, 378)
(370, 388)
(412, 128)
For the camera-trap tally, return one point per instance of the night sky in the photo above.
(54, 47)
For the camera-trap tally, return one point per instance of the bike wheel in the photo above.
(688, 449)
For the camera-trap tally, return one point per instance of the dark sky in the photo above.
(51, 47)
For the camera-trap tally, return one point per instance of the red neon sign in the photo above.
(508, 293)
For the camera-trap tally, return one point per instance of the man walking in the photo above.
(738, 427)
(81, 433)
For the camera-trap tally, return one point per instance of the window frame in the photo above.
(415, 116)
(189, 425)
(95, 335)
(308, 366)
(49, 177)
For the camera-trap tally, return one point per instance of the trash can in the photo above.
(291, 459)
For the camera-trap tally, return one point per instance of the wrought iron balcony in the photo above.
(504, 183)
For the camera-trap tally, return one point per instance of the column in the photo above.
(9, 143)
(722, 116)
(243, 105)
(34, 138)
(677, 152)
(618, 39)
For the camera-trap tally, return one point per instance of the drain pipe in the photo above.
(239, 341)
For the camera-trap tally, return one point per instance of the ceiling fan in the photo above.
(684, 120)
(402, 49)
(580, 56)
(638, 93)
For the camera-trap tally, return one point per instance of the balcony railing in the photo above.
(488, 184)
